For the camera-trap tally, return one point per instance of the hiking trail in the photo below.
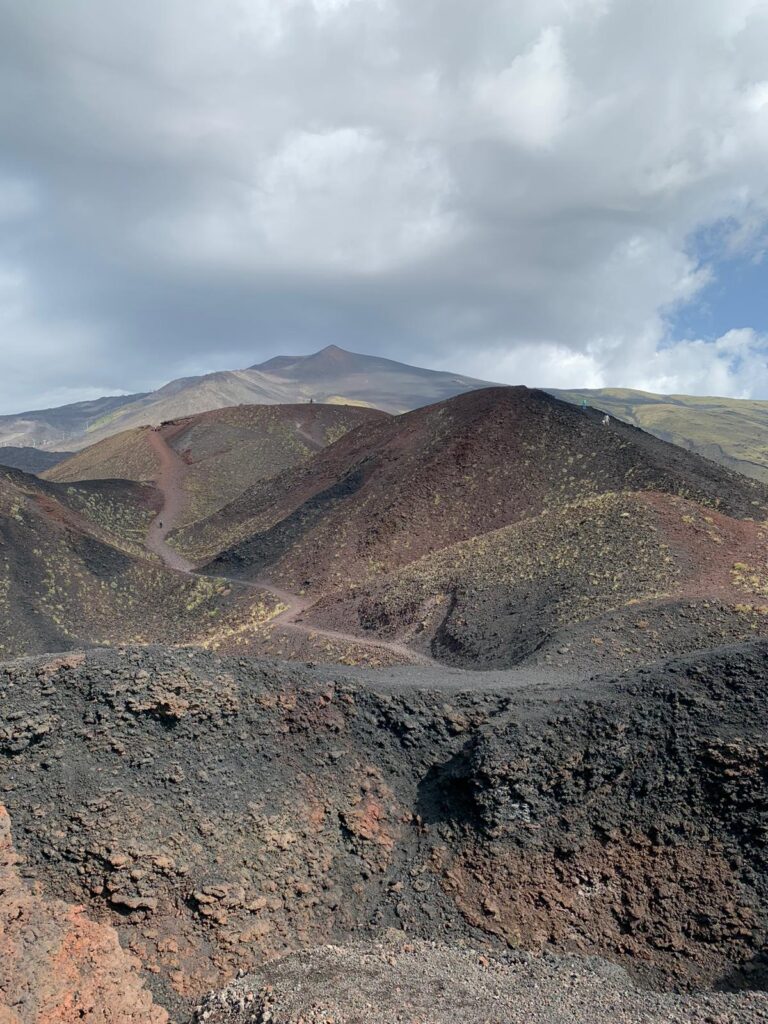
(170, 483)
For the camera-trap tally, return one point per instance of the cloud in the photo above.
(394, 199)
(516, 191)
(527, 102)
(734, 364)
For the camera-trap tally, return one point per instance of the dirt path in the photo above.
(296, 605)
(315, 444)
(170, 482)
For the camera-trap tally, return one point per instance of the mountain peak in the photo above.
(332, 374)
(331, 355)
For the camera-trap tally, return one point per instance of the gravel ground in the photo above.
(424, 983)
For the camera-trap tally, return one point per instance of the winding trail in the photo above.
(296, 605)
(170, 482)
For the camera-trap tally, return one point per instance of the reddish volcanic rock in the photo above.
(58, 967)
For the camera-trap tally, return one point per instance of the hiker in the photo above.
(606, 420)
(583, 404)
(160, 524)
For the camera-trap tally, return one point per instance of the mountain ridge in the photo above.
(30, 459)
(731, 432)
(332, 376)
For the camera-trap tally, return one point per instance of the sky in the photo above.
(565, 193)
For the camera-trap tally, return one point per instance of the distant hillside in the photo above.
(731, 431)
(53, 427)
(395, 490)
(30, 460)
(332, 376)
(226, 450)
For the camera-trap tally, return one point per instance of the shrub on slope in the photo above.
(495, 600)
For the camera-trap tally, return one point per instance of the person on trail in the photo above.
(160, 524)
(583, 404)
(606, 420)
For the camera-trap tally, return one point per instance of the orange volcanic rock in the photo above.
(57, 966)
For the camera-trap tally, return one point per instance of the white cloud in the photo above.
(528, 100)
(342, 201)
(735, 364)
(330, 8)
(544, 364)
(34, 353)
(756, 97)
(17, 199)
(13, 298)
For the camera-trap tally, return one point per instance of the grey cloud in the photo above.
(506, 189)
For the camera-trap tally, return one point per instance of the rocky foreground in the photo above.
(219, 813)
(59, 967)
